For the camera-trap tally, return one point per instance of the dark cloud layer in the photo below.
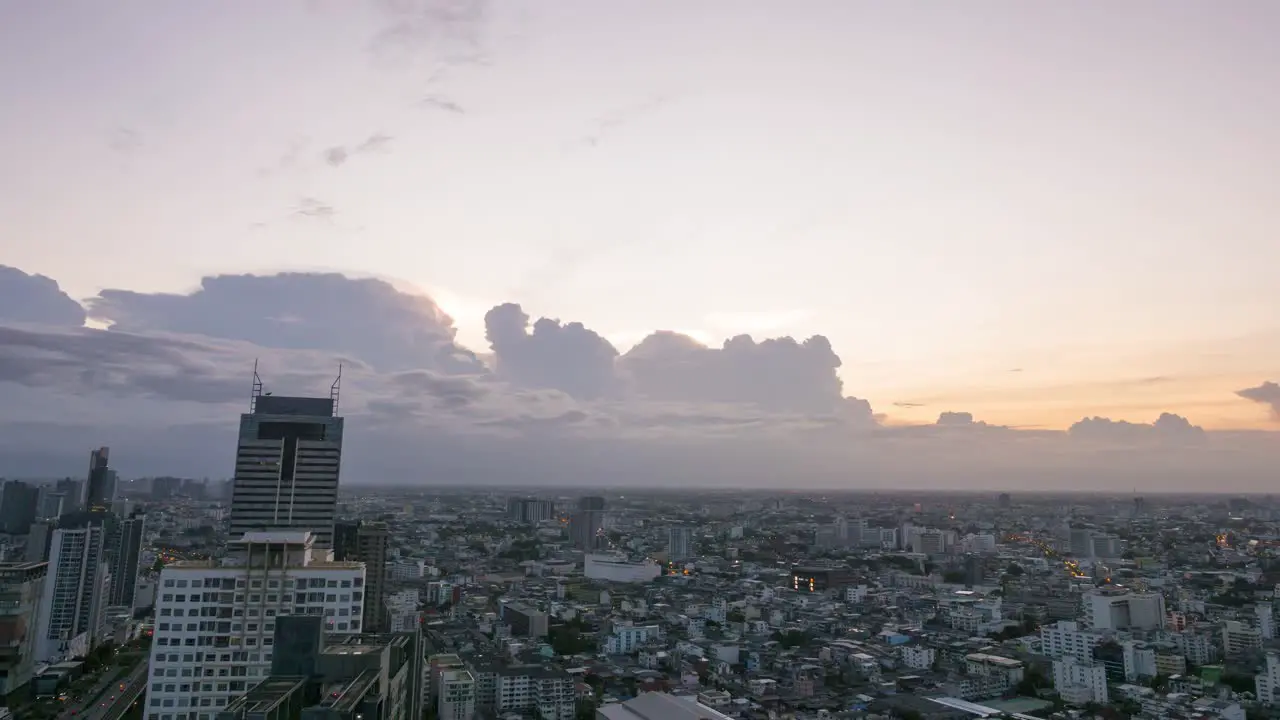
(166, 383)
(1268, 393)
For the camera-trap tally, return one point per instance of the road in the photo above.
(116, 702)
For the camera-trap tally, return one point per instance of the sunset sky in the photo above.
(1031, 211)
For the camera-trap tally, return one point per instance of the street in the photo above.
(117, 700)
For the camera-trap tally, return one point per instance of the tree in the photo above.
(1014, 569)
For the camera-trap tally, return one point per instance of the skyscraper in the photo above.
(679, 543)
(586, 524)
(371, 549)
(124, 559)
(287, 465)
(75, 592)
(100, 486)
(72, 494)
(18, 507)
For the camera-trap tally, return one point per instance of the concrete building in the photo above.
(371, 549)
(525, 621)
(1080, 681)
(1267, 682)
(679, 543)
(613, 568)
(1108, 609)
(457, 696)
(287, 465)
(75, 592)
(1066, 637)
(216, 620)
(659, 706)
(530, 511)
(21, 592)
(18, 502)
(355, 677)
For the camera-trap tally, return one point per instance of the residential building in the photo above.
(1106, 609)
(1267, 682)
(525, 621)
(216, 620)
(76, 590)
(1080, 681)
(371, 549)
(457, 696)
(1066, 637)
(659, 706)
(530, 511)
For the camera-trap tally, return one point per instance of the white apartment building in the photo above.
(1111, 610)
(918, 657)
(457, 696)
(76, 593)
(629, 638)
(1267, 682)
(991, 675)
(215, 621)
(402, 611)
(550, 694)
(1139, 660)
(1066, 637)
(1240, 639)
(1266, 621)
(1080, 682)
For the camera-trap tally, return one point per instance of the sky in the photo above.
(1031, 212)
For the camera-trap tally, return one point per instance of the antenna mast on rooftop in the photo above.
(257, 388)
(335, 388)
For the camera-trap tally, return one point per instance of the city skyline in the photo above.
(1014, 243)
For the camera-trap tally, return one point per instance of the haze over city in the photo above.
(830, 243)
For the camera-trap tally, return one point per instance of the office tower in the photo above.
(18, 507)
(586, 524)
(679, 544)
(216, 619)
(371, 549)
(1005, 501)
(100, 487)
(124, 559)
(71, 491)
(21, 590)
(38, 540)
(75, 592)
(287, 465)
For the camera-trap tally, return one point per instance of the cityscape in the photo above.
(280, 594)
(640, 360)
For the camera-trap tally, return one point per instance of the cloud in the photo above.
(958, 419)
(36, 299)
(338, 155)
(1167, 428)
(309, 207)
(567, 357)
(165, 384)
(778, 374)
(1268, 393)
(364, 318)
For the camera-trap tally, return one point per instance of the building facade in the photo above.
(21, 592)
(216, 621)
(287, 465)
(75, 594)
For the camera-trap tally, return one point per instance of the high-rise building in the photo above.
(52, 504)
(38, 540)
(18, 507)
(216, 620)
(124, 559)
(1005, 501)
(72, 491)
(457, 696)
(75, 591)
(586, 524)
(287, 464)
(100, 486)
(346, 534)
(21, 591)
(164, 488)
(530, 510)
(371, 549)
(679, 543)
